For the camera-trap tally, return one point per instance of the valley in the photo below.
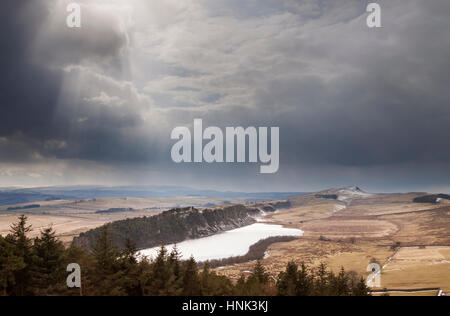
(352, 229)
(408, 234)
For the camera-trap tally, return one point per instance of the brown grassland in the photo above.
(411, 239)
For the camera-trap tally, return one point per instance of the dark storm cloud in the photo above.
(99, 43)
(393, 109)
(29, 92)
(357, 97)
(351, 102)
(33, 111)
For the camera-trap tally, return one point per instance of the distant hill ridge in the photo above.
(12, 196)
(26, 207)
(340, 195)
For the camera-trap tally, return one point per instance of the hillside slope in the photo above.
(176, 225)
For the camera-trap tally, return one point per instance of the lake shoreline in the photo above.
(232, 243)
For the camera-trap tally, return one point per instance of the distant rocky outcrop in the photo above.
(327, 196)
(26, 207)
(278, 205)
(341, 194)
(268, 207)
(115, 210)
(432, 198)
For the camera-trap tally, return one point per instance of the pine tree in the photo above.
(160, 273)
(18, 236)
(287, 281)
(257, 282)
(191, 281)
(304, 285)
(342, 284)
(22, 248)
(206, 280)
(174, 262)
(259, 272)
(163, 280)
(48, 271)
(321, 280)
(87, 262)
(239, 289)
(361, 289)
(10, 264)
(143, 276)
(105, 253)
(130, 270)
(129, 252)
(106, 273)
(213, 284)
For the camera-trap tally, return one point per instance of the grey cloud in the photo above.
(29, 92)
(40, 104)
(351, 102)
(101, 41)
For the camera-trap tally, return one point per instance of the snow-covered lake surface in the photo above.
(232, 243)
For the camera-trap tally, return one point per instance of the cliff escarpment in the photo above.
(172, 226)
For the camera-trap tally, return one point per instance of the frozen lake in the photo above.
(232, 243)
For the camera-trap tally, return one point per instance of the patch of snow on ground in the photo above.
(348, 193)
(339, 207)
(262, 220)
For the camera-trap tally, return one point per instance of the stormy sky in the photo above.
(355, 106)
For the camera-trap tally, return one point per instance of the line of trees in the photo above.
(256, 252)
(38, 267)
